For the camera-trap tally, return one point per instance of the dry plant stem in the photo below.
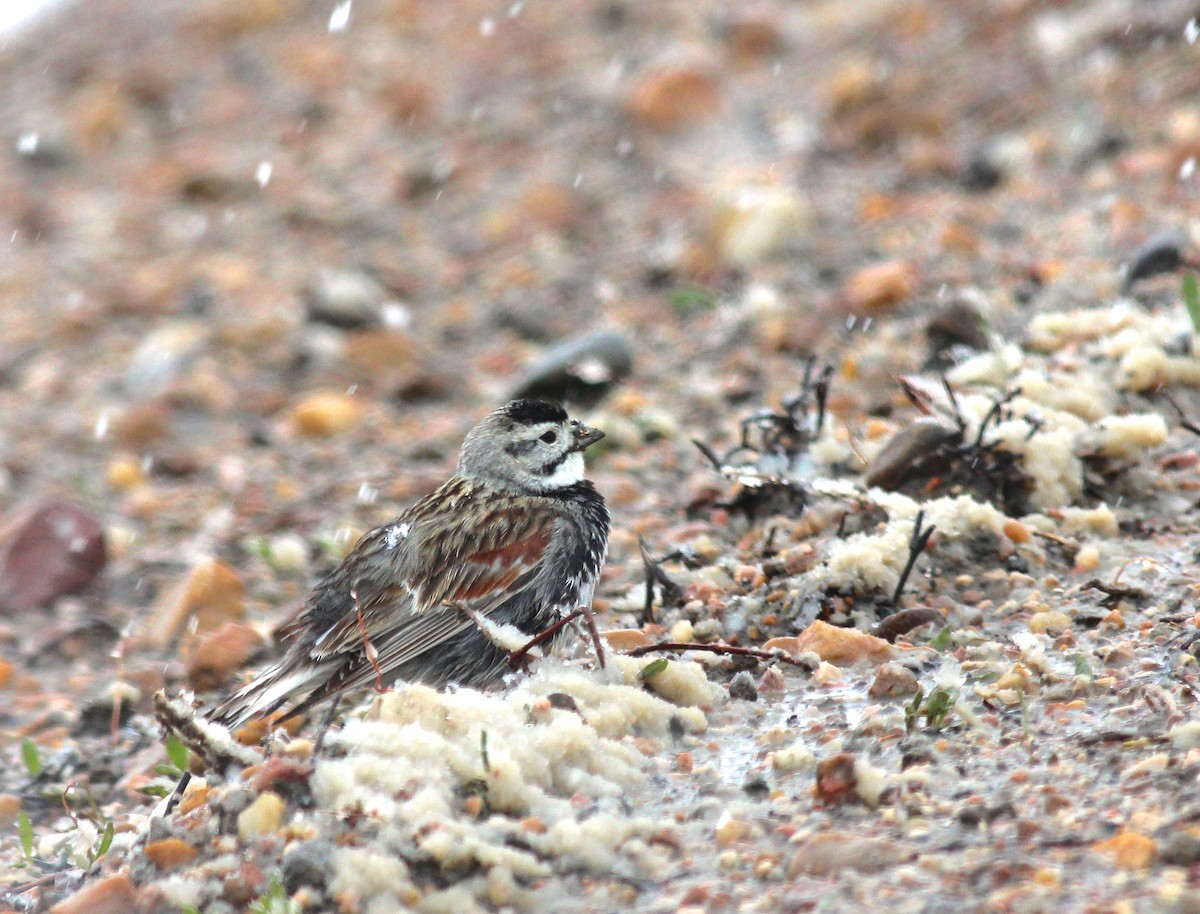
(727, 649)
(368, 647)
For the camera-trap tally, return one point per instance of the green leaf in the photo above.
(941, 641)
(106, 840)
(25, 830)
(33, 760)
(155, 790)
(652, 669)
(177, 752)
(483, 752)
(690, 300)
(1191, 298)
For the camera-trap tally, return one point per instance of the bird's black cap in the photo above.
(531, 412)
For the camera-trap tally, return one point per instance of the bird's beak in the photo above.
(584, 436)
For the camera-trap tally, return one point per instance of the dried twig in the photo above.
(725, 649)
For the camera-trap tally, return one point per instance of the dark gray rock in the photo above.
(579, 370)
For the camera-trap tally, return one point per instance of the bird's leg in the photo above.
(517, 656)
(326, 724)
(368, 648)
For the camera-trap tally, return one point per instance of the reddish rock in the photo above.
(673, 99)
(112, 895)
(824, 855)
(213, 593)
(55, 549)
(879, 286)
(170, 853)
(220, 654)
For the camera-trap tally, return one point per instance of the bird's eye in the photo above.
(550, 437)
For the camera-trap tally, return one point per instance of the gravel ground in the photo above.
(894, 265)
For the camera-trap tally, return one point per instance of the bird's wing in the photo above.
(445, 567)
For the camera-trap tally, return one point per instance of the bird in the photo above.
(508, 547)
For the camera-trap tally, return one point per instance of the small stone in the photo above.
(212, 593)
(1051, 621)
(170, 853)
(752, 39)
(893, 680)
(308, 863)
(708, 630)
(262, 817)
(53, 550)
(956, 325)
(731, 830)
(288, 552)
(1162, 253)
(752, 222)
(625, 639)
(1087, 558)
(580, 369)
(879, 286)
(1181, 849)
(344, 298)
(843, 645)
(221, 653)
(10, 809)
(162, 357)
(912, 453)
(829, 853)
(124, 473)
(675, 98)
(836, 778)
(1128, 850)
(787, 644)
(683, 632)
(111, 895)
(742, 687)
(325, 415)
(6, 673)
(1017, 532)
(826, 674)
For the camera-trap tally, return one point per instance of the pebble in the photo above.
(670, 99)
(753, 222)
(221, 653)
(124, 473)
(307, 863)
(346, 299)
(893, 680)
(742, 687)
(708, 630)
(842, 645)
(262, 817)
(110, 895)
(212, 593)
(162, 357)
(1181, 849)
(907, 451)
(832, 852)
(1128, 850)
(170, 853)
(580, 369)
(1162, 253)
(1051, 621)
(625, 639)
(10, 809)
(326, 414)
(54, 549)
(878, 287)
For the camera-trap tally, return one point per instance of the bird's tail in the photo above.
(270, 691)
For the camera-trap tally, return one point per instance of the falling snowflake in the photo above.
(340, 17)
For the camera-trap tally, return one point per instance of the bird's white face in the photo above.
(533, 449)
